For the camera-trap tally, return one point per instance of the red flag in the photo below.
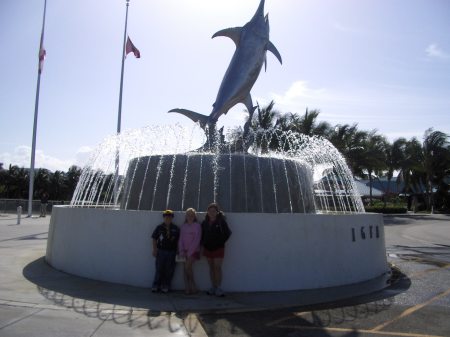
(42, 54)
(131, 48)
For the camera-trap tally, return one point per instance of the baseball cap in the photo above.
(168, 212)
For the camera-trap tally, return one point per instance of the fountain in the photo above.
(161, 175)
(297, 218)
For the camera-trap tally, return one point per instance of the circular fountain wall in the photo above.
(297, 219)
(266, 252)
(238, 182)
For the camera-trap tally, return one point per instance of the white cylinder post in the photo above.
(19, 214)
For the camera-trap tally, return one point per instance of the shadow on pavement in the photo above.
(57, 282)
(134, 307)
(124, 305)
(329, 319)
(38, 236)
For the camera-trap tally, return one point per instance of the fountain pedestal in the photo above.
(267, 252)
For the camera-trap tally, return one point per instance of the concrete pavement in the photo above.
(417, 304)
(36, 300)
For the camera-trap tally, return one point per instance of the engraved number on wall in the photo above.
(365, 233)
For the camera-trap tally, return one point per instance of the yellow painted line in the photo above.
(356, 331)
(287, 318)
(409, 311)
(296, 314)
(279, 321)
(419, 274)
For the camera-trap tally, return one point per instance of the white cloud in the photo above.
(371, 99)
(332, 102)
(299, 91)
(434, 51)
(82, 155)
(21, 157)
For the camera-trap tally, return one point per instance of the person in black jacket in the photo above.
(215, 232)
(44, 202)
(165, 244)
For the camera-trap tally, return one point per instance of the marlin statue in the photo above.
(252, 42)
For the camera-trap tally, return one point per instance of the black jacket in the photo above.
(216, 234)
(166, 240)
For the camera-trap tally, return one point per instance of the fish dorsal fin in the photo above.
(233, 33)
(270, 47)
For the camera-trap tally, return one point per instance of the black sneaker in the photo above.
(220, 293)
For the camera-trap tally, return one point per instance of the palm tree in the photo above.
(374, 157)
(263, 125)
(3, 180)
(411, 170)
(341, 136)
(42, 181)
(395, 154)
(265, 118)
(436, 157)
(426, 165)
(350, 141)
(308, 125)
(285, 122)
(17, 182)
(58, 185)
(72, 177)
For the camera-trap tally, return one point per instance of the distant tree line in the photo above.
(423, 166)
(14, 183)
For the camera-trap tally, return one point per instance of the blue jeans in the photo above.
(164, 268)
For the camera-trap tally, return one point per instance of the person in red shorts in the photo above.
(215, 232)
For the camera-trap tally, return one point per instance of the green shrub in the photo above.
(387, 210)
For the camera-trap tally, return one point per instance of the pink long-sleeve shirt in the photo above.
(189, 242)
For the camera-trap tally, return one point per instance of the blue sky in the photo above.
(384, 64)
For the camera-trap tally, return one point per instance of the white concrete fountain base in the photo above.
(266, 252)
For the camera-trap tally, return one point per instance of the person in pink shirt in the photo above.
(189, 248)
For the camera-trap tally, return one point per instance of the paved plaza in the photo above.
(36, 300)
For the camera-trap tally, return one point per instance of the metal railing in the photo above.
(10, 205)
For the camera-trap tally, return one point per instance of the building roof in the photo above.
(364, 190)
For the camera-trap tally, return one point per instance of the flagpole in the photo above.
(119, 115)
(36, 110)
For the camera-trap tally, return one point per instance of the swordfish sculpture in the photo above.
(252, 42)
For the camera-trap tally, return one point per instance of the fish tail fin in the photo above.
(202, 120)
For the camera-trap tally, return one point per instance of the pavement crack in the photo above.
(100, 325)
(21, 319)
